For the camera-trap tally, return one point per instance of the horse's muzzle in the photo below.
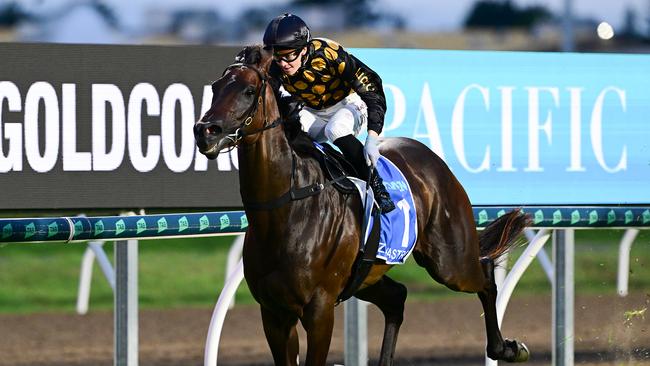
(206, 129)
(208, 136)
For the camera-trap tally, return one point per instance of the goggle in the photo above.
(287, 56)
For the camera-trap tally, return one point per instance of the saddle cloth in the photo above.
(398, 227)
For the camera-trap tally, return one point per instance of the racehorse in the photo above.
(299, 252)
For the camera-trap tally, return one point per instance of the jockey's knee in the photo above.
(340, 125)
(307, 120)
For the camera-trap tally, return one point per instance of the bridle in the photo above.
(260, 96)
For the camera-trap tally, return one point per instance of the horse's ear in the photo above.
(241, 56)
(265, 59)
(255, 55)
(250, 55)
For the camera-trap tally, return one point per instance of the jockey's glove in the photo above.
(370, 150)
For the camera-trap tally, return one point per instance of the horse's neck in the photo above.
(265, 167)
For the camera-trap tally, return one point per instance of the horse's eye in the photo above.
(250, 92)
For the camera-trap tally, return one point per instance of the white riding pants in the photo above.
(347, 117)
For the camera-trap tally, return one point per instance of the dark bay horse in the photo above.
(298, 253)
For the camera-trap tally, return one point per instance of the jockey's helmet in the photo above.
(286, 31)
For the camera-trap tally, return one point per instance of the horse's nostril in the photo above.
(213, 130)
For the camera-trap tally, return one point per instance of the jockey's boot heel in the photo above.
(381, 195)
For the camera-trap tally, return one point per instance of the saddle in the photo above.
(336, 167)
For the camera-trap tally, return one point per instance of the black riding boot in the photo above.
(381, 195)
(352, 149)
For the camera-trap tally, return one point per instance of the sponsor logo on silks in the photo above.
(539, 217)
(575, 217)
(30, 230)
(396, 186)
(141, 225)
(99, 227)
(162, 224)
(482, 217)
(183, 224)
(501, 213)
(225, 221)
(611, 216)
(557, 217)
(629, 216)
(7, 231)
(593, 217)
(646, 216)
(78, 228)
(244, 221)
(52, 229)
(204, 223)
(120, 227)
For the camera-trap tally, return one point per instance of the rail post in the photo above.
(126, 303)
(563, 297)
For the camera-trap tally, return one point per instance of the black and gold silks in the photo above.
(329, 74)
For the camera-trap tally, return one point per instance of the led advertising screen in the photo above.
(91, 127)
(86, 127)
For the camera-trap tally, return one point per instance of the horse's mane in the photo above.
(256, 56)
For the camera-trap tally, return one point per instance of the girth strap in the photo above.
(293, 194)
(366, 258)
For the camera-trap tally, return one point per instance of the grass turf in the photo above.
(178, 273)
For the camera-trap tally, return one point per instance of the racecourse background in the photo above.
(82, 120)
(88, 188)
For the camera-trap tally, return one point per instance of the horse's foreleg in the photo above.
(497, 348)
(281, 335)
(318, 321)
(389, 296)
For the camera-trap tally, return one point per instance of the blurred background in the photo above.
(37, 278)
(522, 25)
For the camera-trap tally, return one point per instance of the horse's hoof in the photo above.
(516, 351)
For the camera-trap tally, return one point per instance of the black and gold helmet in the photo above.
(286, 31)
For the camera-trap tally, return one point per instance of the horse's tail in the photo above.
(502, 234)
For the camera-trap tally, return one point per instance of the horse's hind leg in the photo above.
(389, 296)
(281, 335)
(497, 348)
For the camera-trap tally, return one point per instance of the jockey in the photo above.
(340, 95)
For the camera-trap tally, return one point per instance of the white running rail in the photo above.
(518, 269)
(219, 314)
(94, 251)
(624, 260)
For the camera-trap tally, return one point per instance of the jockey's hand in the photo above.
(370, 150)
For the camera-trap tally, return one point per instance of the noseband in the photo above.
(260, 96)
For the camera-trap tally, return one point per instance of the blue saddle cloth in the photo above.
(398, 227)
